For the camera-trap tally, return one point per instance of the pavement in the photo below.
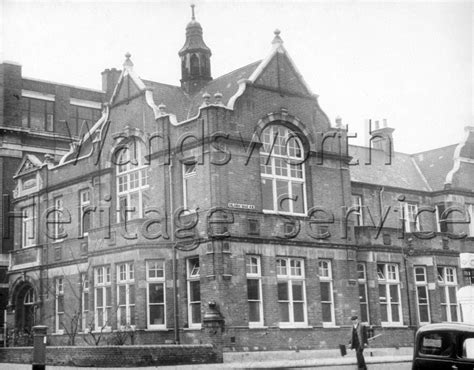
(376, 358)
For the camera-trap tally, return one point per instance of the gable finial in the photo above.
(192, 12)
(277, 39)
(128, 62)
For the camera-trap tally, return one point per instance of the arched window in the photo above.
(132, 180)
(282, 171)
(194, 63)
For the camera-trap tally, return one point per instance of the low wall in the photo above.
(117, 356)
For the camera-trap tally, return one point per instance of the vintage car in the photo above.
(444, 346)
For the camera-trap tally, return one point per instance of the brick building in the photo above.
(38, 120)
(235, 190)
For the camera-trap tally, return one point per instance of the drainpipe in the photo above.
(382, 189)
(175, 268)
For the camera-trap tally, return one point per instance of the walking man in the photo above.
(359, 341)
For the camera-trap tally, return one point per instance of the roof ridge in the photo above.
(235, 70)
(435, 149)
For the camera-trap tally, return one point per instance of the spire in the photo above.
(195, 57)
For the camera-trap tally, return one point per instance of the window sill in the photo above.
(193, 328)
(330, 325)
(257, 326)
(392, 325)
(295, 327)
(157, 329)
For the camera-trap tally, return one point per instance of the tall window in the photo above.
(102, 297)
(85, 217)
(132, 181)
(194, 292)
(389, 293)
(125, 294)
(254, 290)
(441, 225)
(59, 305)
(189, 192)
(84, 300)
(37, 114)
(79, 116)
(408, 213)
(327, 298)
(363, 300)
(470, 210)
(58, 227)
(28, 226)
(282, 171)
(357, 202)
(156, 293)
(447, 282)
(291, 291)
(422, 295)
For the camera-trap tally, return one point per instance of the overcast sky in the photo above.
(409, 62)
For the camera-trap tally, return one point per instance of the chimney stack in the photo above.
(109, 81)
(382, 137)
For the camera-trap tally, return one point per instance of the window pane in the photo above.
(424, 316)
(395, 313)
(100, 297)
(383, 312)
(156, 294)
(253, 289)
(195, 291)
(422, 294)
(382, 293)
(254, 311)
(157, 315)
(122, 294)
(131, 292)
(326, 313)
(297, 191)
(454, 313)
(325, 291)
(452, 294)
(362, 295)
(284, 312)
(283, 196)
(267, 193)
(297, 290)
(196, 313)
(363, 312)
(298, 312)
(283, 291)
(394, 293)
(442, 292)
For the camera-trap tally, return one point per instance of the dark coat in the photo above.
(361, 334)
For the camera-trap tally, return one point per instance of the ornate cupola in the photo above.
(195, 58)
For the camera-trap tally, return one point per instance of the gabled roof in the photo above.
(435, 165)
(402, 172)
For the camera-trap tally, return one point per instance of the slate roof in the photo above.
(184, 106)
(403, 171)
(435, 165)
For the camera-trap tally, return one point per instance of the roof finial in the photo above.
(192, 12)
(277, 39)
(128, 62)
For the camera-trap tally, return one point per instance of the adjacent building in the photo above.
(234, 190)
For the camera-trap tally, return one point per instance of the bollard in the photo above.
(39, 347)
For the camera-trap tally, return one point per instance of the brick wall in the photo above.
(119, 356)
